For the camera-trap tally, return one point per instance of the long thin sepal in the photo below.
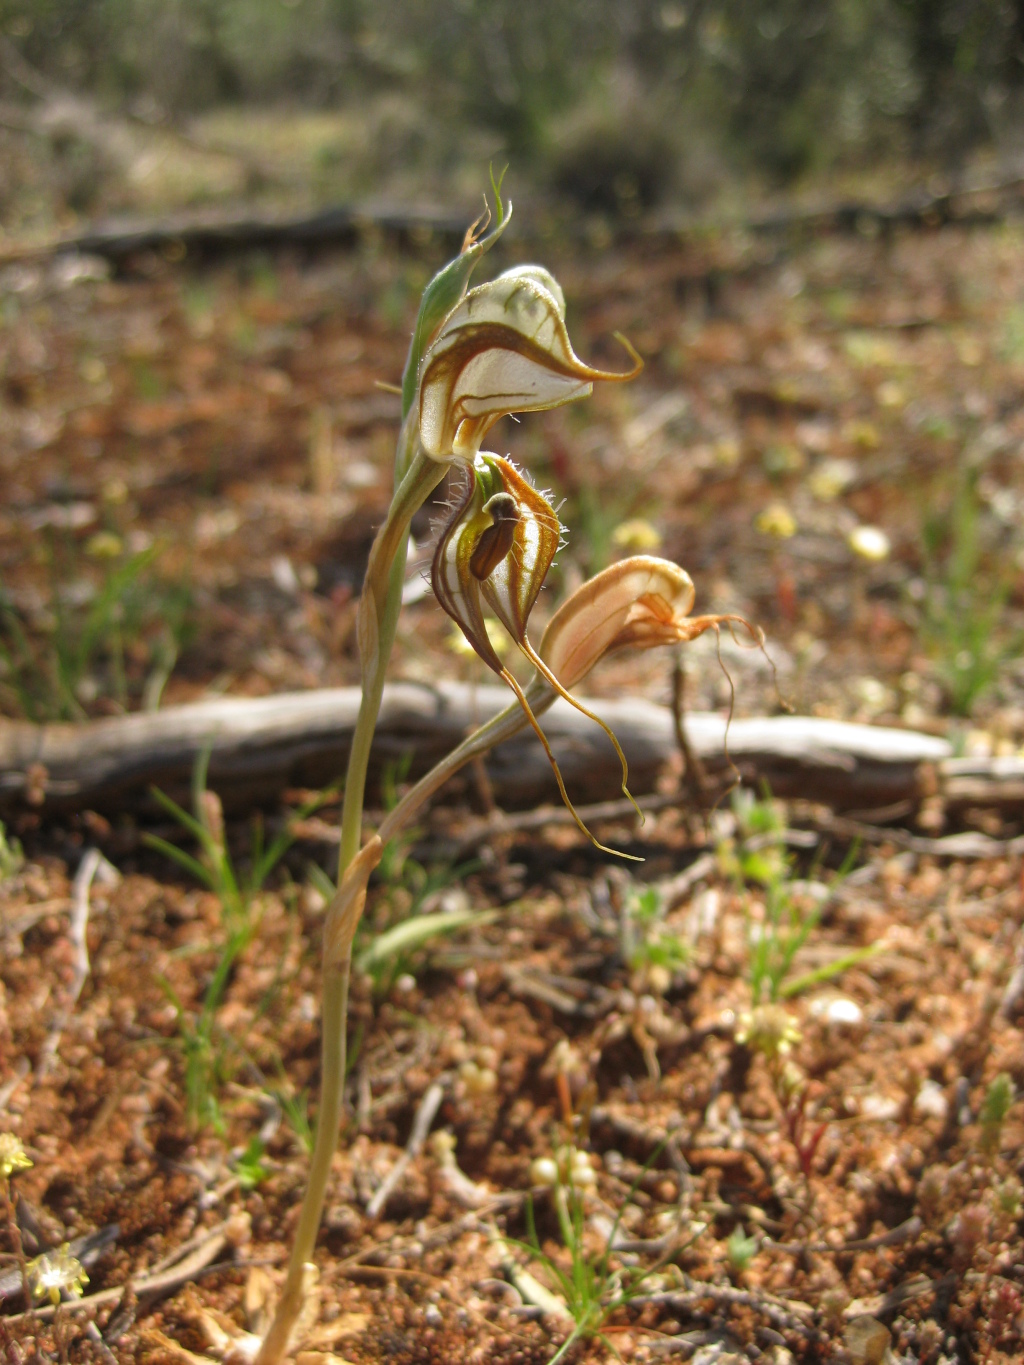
(535, 726)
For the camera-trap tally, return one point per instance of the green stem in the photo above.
(379, 609)
(333, 1025)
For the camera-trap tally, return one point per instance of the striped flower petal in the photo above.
(503, 349)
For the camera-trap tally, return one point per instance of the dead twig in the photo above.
(904, 1232)
(969, 844)
(674, 890)
(524, 822)
(92, 864)
(425, 1115)
(788, 1314)
(152, 1286)
(96, 1337)
(904, 1293)
(564, 994)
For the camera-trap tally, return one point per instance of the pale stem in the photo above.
(382, 601)
(495, 731)
(14, 1228)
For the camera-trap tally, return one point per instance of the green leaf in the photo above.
(417, 933)
(100, 612)
(828, 972)
(249, 1166)
(182, 816)
(183, 859)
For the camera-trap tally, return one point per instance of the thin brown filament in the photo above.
(732, 697)
(633, 354)
(542, 668)
(535, 726)
(757, 642)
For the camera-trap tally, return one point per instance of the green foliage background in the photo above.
(596, 92)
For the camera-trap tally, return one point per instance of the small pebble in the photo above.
(867, 1341)
(930, 1101)
(837, 1011)
(879, 1107)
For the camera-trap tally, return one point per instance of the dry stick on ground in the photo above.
(93, 863)
(903, 1232)
(989, 201)
(787, 1314)
(96, 1337)
(969, 844)
(154, 1285)
(261, 746)
(499, 824)
(425, 1115)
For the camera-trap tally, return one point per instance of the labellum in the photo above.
(496, 549)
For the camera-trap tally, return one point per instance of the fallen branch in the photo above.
(786, 1314)
(903, 1232)
(967, 844)
(219, 233)
(259, 747)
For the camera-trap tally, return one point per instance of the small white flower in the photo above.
(57, 1273)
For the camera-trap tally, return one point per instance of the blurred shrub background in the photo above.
(603, 105)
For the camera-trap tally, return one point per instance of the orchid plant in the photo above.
(476, 356)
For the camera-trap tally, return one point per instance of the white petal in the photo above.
(503, 381)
